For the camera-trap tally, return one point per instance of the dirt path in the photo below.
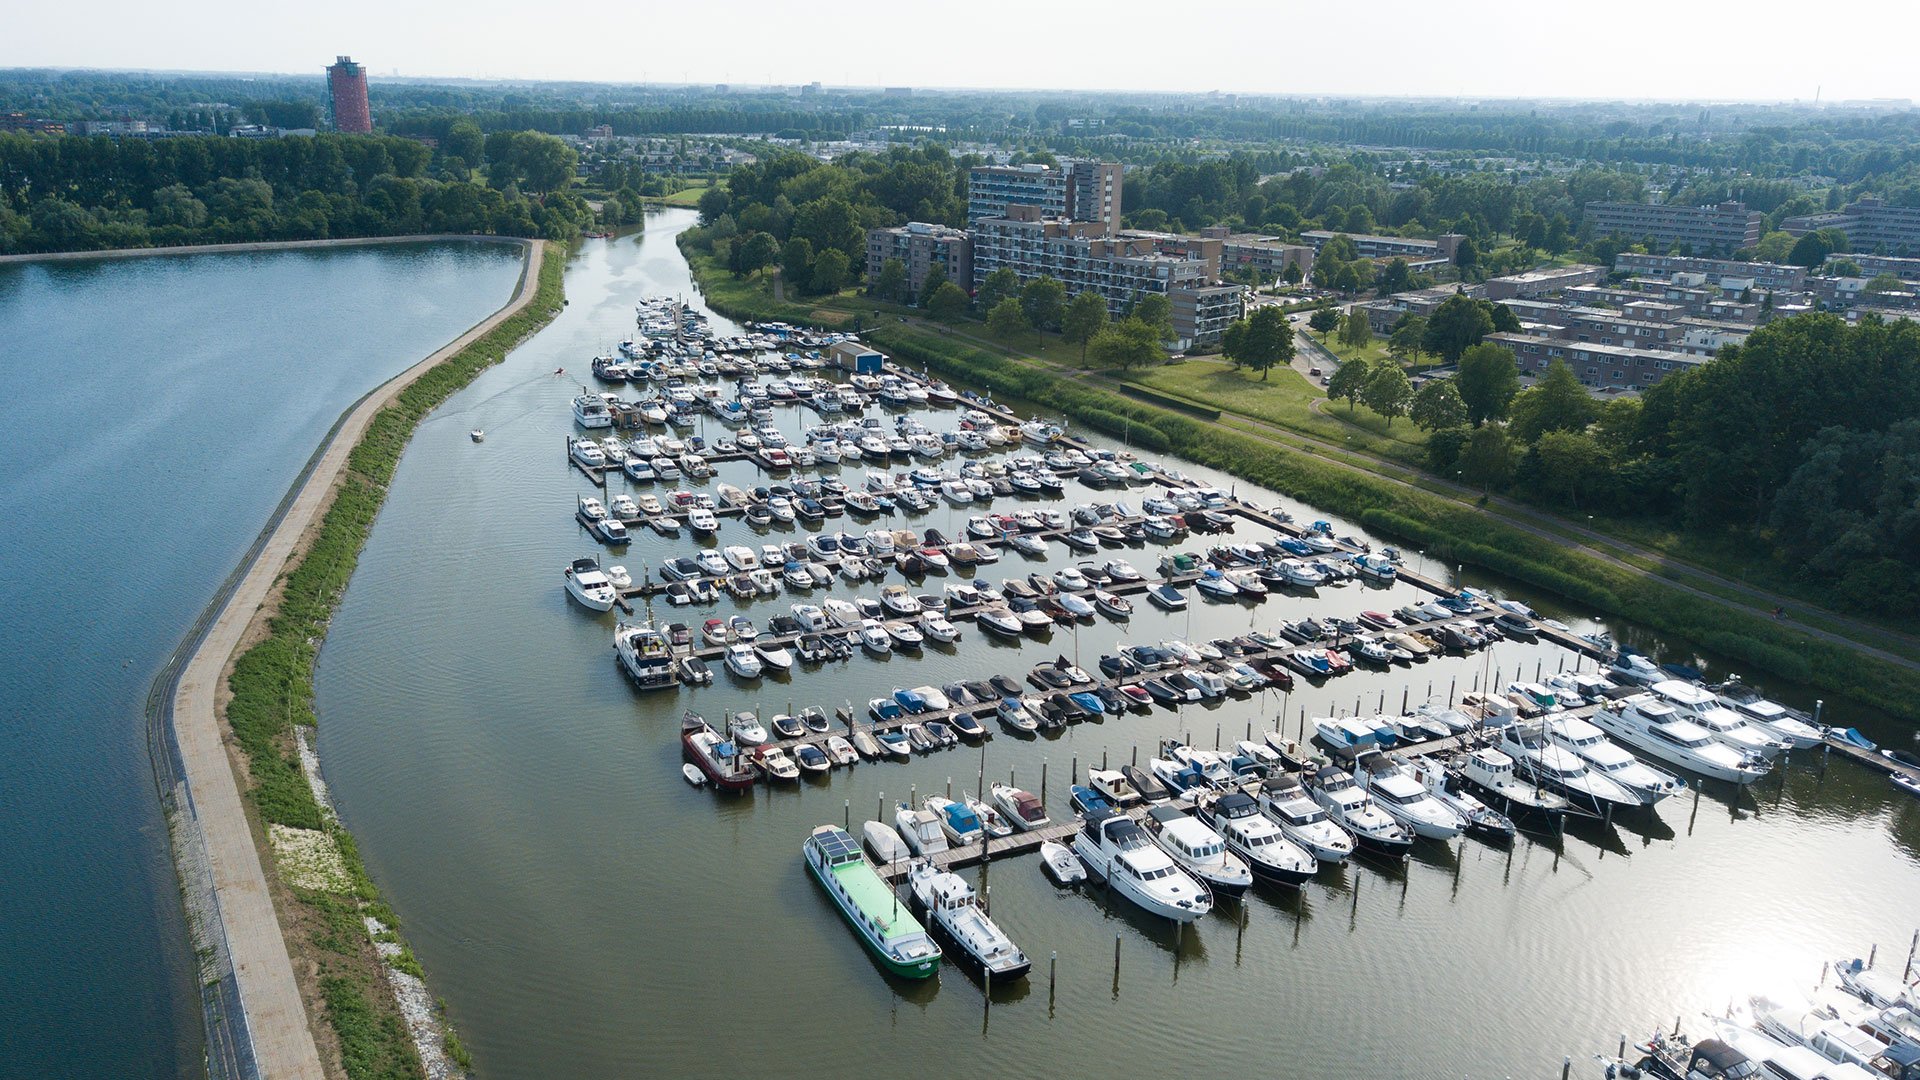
(283, 1044)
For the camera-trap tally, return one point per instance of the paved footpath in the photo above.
(283, 1044)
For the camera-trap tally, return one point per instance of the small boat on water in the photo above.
(956, 915)
(1061, 864)
(589, 585)
(893, 936)
(1131, 863)
(720, 759)
(693, 774)
(1022, 808)
(1199, 850)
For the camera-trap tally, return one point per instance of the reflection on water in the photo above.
(585, 913)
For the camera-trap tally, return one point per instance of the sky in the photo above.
(1759, 49)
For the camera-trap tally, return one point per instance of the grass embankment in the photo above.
(272, 694)
(686, 196)
(1445, 528)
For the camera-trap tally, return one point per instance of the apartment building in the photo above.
(1870, 225)
(1875, 265)
(1410, 248)
(1266, 256)
(1081, 256)
(1722, 229)
(1597, 325)
(1385, 313)
(1602, 367)
(1087, 191)
(1537, 283)
(921, 247)
(1763, 275)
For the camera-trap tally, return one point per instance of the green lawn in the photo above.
(688, 196)
(1285, 399)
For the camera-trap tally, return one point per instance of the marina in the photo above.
(544, 709)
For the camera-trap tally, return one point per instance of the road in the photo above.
(283, 1044)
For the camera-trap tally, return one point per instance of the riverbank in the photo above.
(294, 947)
(262, 245)
(1444, 528)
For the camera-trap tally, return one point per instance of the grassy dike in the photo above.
(1444, 529)
(272, 695)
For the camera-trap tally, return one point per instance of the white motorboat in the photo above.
(962, 826)
(897, 599)
(1406, 799)
(741, 557)
(841, 612)
(773, 656)
(1256, 838)
(745, 728)
(1198, 850)
(1304, 822)
(874, 637)
(1494, 774)
(742, 661)
(589, 585)
(1020, 807)
(957, 916)
(1120, 852)
(1656, 729)
(884, 843)
(1770, 716)
(645, 656)
(1605, 757)
(939, 629)
(1355, 811)
(921, 830)
(1061, 864)
(1703, 707)
(1541, 760)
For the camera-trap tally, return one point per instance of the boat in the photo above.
(957, 917)
(1061, 864)
(589, 585)
(1394, 789)
(1022, 808)
(892, 935)
(1494, 775)
(746, 729)
(1113, 606)
(1198, 850)
(1702, 707)
(1121, 854)
(644, 655)
(693, 774)
(1257, 839)
(1355, 811)
(962, 826)
(718, 758)
(867, 746)
(1168, 597)
(894, 744)
(1304, 822)
(921, 829)
(775, 764)
(1655, 728)
(1545, 762)
(1481, 820)
(742, 661)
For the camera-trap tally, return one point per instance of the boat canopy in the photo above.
(961, 817)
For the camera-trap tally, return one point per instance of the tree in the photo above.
(1812, 249)
(1774, 247)
(1884, 283)
(1387, 391)
(1349, 381)
(175, 205)
(936, 277)
(1556, 402)
(1437, 405)
(1002, 284)
(1394, 277)
(1127, 344)
(947, 303)
(1042, 301)
(1487, 459)
(1467, 255)
(1355, 331)
(1155, 312)
(1568, 461)
(714, 202)
(1444, 448)
(1408, 338)
(1504, 320)
(1840, 268)
(830, 271)
(1260, 341)
(1084, 318)
(1456, 325)
(1291, 273)
(890, 284)
(1007, 319)
(1489, 377)
(1323, 320)
(465, 142)
(750, 253)
(796, 261)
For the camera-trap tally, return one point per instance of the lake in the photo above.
(207, 381)
(586, 914)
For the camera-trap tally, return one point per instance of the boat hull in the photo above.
(917, 969)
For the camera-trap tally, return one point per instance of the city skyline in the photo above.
(1638, 51)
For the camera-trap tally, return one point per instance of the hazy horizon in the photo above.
(1504, 50)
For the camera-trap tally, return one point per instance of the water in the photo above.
(156, 410)
(584, 913)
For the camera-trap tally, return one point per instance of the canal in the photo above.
(585, 913)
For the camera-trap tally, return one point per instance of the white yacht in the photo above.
(1769, 716)
(1285, 801)
(1656, 729)
(1545, 763)
(1021, 807)
(1119, 851)
(1199, 850)
(921, 830)
(590, 411)
(741, 557)
(1257, 838)
(956, 915)
(1406, 799)
(1703, 707)
(742, 661)
(1494, 774)
(589, 585)
(1353, 810)
(1605, 757)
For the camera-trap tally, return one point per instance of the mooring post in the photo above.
(1623, 1047)
(847, 815)
(880, 812)
(1405, 692)
(949, 787)
(1053, 965)
(1451, 687)
(1566, 1067)
(1907, 973)
(1043, 783)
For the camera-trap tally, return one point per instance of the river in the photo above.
(156, 411)
(586, 914)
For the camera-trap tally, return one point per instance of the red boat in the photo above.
(715, 755)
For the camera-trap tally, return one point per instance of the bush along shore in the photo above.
(1445, 529)
(344, 937)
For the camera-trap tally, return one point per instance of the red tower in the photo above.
(348, 83)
